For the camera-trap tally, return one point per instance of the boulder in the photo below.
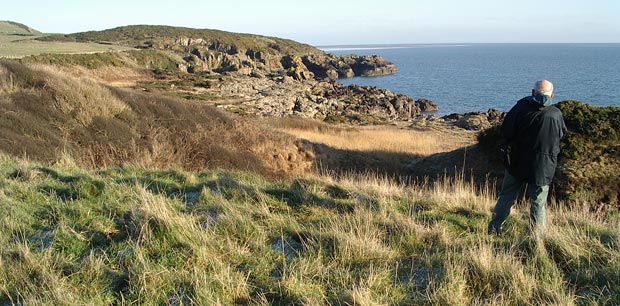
(476, 121)
(426, 105)
(323, 66)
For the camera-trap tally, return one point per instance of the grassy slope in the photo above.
(15, 28)
(131, 235)
(49, 112)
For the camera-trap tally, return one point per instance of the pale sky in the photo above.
(334, 22)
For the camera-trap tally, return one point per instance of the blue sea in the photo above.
(475, 77)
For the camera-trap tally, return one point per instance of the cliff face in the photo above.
(201, 55)
(324, 100)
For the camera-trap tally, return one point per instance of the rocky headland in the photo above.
(264, 76)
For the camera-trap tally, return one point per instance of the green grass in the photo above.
(18, 40)
(132, 235)
(20, 46)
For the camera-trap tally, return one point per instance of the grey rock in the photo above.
(476, 120)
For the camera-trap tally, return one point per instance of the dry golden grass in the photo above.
(82, 97)
(114, 76)
(386, 138)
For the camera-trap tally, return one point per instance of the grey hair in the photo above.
(543, 87)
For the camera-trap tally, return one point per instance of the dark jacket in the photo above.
(536, 130)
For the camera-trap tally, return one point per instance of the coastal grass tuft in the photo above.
(144, 236)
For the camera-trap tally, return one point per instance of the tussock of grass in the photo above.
(393, 140)
(130, 235)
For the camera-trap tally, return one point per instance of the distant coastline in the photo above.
(329, 48)
(476, 77)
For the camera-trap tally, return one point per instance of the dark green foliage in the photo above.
(591, 128)
(157, 61)
(599, 123)
(590, 152)
(91, 61)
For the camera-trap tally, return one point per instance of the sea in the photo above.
(461, 78)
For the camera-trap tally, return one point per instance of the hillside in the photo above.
(49, 113)
(16, 28)
(198, 170)
(212, 50)
(168, 37)
(256, 75)
(59, 110)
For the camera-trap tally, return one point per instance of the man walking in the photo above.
(535, 127)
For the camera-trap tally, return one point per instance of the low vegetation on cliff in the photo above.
(589, 163)
(160, 37)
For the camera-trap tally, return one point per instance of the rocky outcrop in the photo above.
(201, 54)
(295, 68)
(288, 95)
(476, 121)
(201, 57)
(330, 66)
(277, 84)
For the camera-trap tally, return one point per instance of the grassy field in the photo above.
(31, 47)
(17, 40)
(13, 47)
(138, 236)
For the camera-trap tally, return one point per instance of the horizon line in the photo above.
(452, 44)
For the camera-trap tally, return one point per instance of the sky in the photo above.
(341, 22)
